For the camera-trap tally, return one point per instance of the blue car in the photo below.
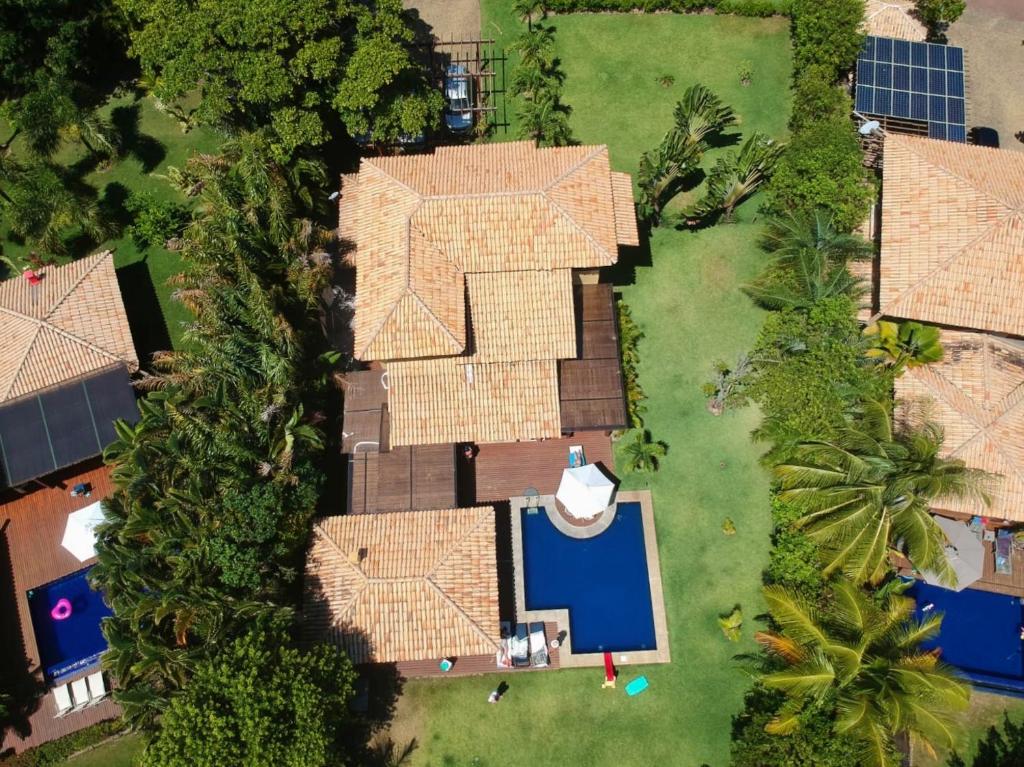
(458, 115)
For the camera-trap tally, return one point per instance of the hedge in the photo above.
(57, 751)
(758, 8)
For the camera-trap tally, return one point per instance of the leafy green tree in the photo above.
(904, 344)
(737, 175)
(937, 15)
(259, 701)
(872, 486)
(642, 455)
(817, 96)
(822, 169)
(303, 67)
(827, 33)
(154, 221)
(795, 560)
(810, 263)
(862, 659)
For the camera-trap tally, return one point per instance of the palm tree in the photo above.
(643, 455)
(529, 81)
(871, 487)
(904, 344)
(545, 120)
(700, 114)
(786, 236)
(863, 658)
(529, 11)
(737, 176)
(536, 48)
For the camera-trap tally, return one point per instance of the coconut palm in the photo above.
(641, 454)
(536, 47)
(864, 658)
(738, 175)
(545, 120)
(904, 344)
(786, 236)
(873, 486)
(529, 11)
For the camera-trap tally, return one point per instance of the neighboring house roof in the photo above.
(952, 235)
(893, 18)
(417, 224)
(405, 586)
(69, 325)
(976, 393)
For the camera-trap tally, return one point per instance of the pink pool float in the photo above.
(62, 610)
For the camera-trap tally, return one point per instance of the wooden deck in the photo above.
(504, 470)
(33, 526)
(1012, 585)
(477, 664)
(402, 479)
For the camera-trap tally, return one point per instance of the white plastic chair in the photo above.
(97, 689)
(80, 692)
(62, 699)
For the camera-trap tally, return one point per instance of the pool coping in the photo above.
(568, 659)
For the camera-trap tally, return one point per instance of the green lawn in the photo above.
(154, 142)
(120, 752)
(688, 303)
(986, 710)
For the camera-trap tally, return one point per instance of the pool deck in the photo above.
(1012, 584)
(561, 616)
(33, 526)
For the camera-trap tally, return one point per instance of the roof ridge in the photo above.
(950, 172)
(342, 555)
(580, 228)
(597, 149)
(454, 606)
(24, 357)
(100, 258)
(457, 543)
(371, 164)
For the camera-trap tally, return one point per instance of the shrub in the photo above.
(629, 340)
(57, 751)
(817, 97)
(794, 561)
(154, 221)
(827, 33)
(757, 8)
(822, 168)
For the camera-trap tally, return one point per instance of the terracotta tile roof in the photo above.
(976, 393)
(72, 323)
(893, 18)
(416, 224)
(450, 400)
(953, 234)
(405, 586)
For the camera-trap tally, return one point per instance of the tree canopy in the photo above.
(302, 67)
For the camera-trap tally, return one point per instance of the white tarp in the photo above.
(965, 553)
(585, 491)
(79, 537)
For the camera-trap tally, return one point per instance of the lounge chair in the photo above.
(576, 456)
(80, 692)
(62, 699)
(519, 647)
(97, 689)
(1004, 546)
(538, 646)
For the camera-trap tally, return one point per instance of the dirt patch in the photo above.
(991, 33)
(448, 19)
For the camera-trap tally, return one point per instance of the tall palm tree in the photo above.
(642, 454)
(545, 120)
(529, 11)
(873, 486)
(738, 175)
(864, 659)
(536, 47)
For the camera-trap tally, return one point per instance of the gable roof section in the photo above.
(417, 224)
(69, 325)
(952, 235)
(405, 586)
(893, 18)
(449, 400)
(976, 393)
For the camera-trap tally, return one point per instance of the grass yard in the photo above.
(686, 298)
(120, 752)
(154, 141)
(986, 711)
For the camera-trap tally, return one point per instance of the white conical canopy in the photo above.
(965, 553)
(79, 537)
(585, 491)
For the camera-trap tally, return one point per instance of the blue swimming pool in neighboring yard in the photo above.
(602, 581)
(69, 646)
(980, 634)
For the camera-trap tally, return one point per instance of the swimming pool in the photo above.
(72, 645)
(980, 634)
(602, 581)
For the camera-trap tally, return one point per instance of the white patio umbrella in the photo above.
(585, 491)
(79, 537)
(965, 552)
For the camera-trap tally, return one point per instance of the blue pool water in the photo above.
(69, 646)
(980, 634)
(601, 580)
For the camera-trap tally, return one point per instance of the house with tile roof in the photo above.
(478, 313)
(952, 255)
(64, 366)
(893, 18)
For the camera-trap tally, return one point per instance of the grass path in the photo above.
(686, 298)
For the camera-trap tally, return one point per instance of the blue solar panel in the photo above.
(916, 81)
(900, 104)
(901, 78)
(865, 99)
(955, 84)
(883, 75)
(901, 52)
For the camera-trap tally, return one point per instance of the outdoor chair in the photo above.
(97, 689)
(1004, 547)
(62, 699)
(576, 456)
(80, 693)
(538, 646)
(519, 647)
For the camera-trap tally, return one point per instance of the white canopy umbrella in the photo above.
(585, 491)
(79, 537)
(965, 553)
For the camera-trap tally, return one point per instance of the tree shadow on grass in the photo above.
(149, 330)
(146, 149)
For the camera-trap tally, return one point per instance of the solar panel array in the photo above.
(913, 81)
(62, 426)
